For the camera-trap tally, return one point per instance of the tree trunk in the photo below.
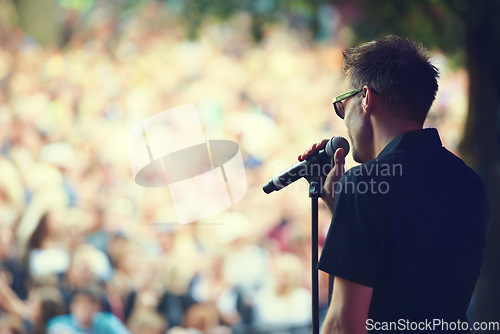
(481, 143)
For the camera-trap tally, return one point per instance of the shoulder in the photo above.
(60, 324)
(108, 321)
(459, 164)
(461, 173)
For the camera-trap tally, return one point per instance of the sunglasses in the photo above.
(339, 106)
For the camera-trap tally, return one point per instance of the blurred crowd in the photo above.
(82, 246)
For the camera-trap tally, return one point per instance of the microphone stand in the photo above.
(316, 181)
(315, 187)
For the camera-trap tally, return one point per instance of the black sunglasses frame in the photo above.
(339, 106)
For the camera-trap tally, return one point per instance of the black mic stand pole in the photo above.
(315, 186)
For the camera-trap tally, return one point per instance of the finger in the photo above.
(333, 178)
(337, 171)
(322, 144)
(313, 149)
(339, 158)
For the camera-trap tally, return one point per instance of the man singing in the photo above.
(408, 225)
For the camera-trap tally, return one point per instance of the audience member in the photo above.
(85, 316)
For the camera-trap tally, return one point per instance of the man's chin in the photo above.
(357, 158)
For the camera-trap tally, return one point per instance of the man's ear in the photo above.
(367, 98)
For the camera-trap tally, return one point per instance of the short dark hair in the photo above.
(397, 69)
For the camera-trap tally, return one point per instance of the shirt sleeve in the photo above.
(357, 241)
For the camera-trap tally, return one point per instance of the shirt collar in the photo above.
(425, 138)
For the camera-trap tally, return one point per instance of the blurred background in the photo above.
(77, 75)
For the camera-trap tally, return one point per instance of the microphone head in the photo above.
(335, 143)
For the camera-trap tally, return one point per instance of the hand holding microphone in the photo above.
(333, 177)
(317, 160)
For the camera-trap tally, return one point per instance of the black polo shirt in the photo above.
(411, 224)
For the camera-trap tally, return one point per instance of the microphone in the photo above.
(313, 166)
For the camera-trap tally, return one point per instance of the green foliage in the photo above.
(78, 5)
(435, 23)
(194, 12)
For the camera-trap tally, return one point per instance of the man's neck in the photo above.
(385, 133)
